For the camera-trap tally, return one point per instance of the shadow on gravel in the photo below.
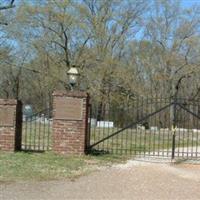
(32, 151)
(168, 160)
(187, 161)
(96, 152)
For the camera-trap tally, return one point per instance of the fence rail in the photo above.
(153, 127)
(37, 131)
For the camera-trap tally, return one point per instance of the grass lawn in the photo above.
(132, 142)
(48, 166)
(128, 142)
(36, 135)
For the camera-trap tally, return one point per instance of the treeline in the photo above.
(122, 49)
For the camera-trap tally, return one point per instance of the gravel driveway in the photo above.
(134, 180)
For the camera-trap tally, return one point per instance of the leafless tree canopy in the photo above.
(8, 6)
(122, 49)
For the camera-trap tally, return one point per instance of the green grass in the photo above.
(133, 142)
(36, 135)
(48, 166)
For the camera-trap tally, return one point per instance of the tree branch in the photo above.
(11, 5)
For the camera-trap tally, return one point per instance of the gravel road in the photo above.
(134, 180)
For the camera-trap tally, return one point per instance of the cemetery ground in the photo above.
(134, 179)
(30, 175)
(22, 166)
(128, 142)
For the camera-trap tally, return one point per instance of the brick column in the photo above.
(70, 122)
(10, 125)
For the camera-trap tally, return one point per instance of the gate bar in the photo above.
(132, 124)
(173, 129)
(186, 109)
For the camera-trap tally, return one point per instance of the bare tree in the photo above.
(10, 5)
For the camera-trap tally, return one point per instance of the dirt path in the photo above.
(134, 180)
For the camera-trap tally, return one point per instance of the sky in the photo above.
(185, 3)
(188, 3)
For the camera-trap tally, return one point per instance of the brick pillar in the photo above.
(10, 125)
(70, 122)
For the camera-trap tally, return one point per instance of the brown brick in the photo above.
(69, 135)
(10, 131)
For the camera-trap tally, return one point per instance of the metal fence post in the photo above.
(174, 127)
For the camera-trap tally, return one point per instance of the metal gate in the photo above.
(37, 131)
(147, 127)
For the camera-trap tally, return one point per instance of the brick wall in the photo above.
(10, 125)
(70, 122)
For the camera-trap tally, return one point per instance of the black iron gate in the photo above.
(36, 131)
(148, 126)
